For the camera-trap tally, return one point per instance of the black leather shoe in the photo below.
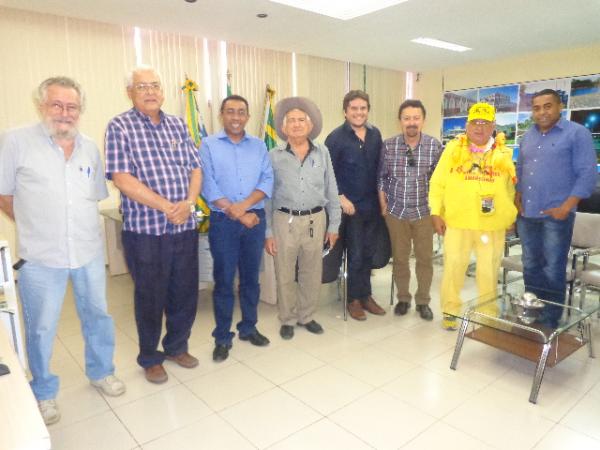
(286, 332)
(221, 352)
(256, 339)
(425, 312)
(401, 308)
(312, 326)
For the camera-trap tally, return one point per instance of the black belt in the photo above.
(303, 212)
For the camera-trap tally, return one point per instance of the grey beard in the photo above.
(54, 133)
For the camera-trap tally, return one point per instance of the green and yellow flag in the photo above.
(270, 136)
(197, 131)
(229, 92)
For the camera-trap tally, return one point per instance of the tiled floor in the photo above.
(384, 384)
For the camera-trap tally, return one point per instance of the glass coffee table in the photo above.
(508, 320)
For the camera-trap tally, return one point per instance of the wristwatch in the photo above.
(192, 206)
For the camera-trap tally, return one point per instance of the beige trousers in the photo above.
(406, 234)
(297, 301)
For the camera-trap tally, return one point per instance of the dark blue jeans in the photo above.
(165, 275)
(545, 243)
(359, 239)
(235, 248)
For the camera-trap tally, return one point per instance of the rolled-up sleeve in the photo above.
(265, 182)
(382, 171)
(584, 164)
(210, 189)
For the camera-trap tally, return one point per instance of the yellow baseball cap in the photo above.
(482, 111)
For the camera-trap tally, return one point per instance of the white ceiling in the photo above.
(494, 29)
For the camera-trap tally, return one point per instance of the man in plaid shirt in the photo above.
(405, 166)
(151, 159)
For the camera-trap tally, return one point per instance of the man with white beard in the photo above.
(51, 179)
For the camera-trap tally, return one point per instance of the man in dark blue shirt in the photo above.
(354, 148)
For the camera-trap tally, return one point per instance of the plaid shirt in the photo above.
(161, 156)
(407, 186)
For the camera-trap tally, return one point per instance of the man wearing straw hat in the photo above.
(304, 188)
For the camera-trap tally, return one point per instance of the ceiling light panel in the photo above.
(441, 44)
(340, 9)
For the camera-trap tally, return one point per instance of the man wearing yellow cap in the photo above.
(471, 200)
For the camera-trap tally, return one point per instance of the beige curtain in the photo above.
(323, 81)
(251, 70)
(386, 89)
(35, 46)
(176, 56)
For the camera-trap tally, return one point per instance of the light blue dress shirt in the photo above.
(555, 165)
(234, 170)
(55, 200)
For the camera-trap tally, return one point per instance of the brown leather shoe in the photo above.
(371, 306)
(156, 374)
(356, 310)
(184, 360)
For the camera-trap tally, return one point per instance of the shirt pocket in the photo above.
(180, 156)
(314, 170)
(83, 177)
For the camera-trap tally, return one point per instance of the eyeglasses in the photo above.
(59, 108)
(147, 87)
(411, 157)
(480, 123)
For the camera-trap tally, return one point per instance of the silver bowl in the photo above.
(527, 308)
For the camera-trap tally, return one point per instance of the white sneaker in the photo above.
(49, 411)
(111, 386)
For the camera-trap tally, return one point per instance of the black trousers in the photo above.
(359, 239)
(165, 276)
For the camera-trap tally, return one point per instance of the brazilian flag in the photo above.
(270, 137)
(197, 132)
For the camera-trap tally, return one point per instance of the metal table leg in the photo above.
(539, 372)
(345, 283)
(459, 342)
(392, 289)
(590, 342)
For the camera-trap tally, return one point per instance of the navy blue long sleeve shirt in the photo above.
(355, 165)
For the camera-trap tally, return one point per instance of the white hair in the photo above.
(138, 69)
(296, 109)
(41, 94)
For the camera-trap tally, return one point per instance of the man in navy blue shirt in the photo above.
(556, 168)
(354, 148)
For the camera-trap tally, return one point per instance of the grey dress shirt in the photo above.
(302, 185)
(55, 200)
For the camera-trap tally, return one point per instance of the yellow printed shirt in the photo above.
(463, 180)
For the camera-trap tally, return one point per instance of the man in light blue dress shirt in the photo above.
(237, 177)
(556, 168)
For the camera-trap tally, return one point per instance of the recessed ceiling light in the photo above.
(441, 44)
(262, 15)
(191, 1)
(340, 9)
